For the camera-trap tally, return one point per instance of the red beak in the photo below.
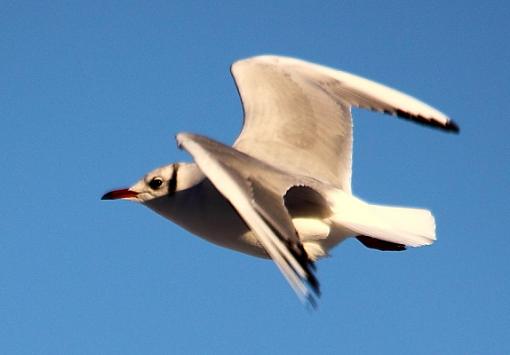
(118, 194)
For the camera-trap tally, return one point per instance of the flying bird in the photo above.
(283, 190)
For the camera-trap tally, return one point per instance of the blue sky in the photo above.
(91, 96)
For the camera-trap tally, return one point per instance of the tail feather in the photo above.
(408, 226)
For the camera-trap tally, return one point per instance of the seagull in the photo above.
(283, 190)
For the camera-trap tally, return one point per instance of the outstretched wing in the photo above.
(256, 192)
(297, 115)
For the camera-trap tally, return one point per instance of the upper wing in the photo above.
(256, 192)
(297, 114)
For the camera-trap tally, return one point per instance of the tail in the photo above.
(408, 226)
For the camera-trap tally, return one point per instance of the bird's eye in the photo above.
(156, 183)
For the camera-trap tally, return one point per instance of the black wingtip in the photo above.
(449, 126)
(312, 302)
(452, 126)
(314, 283)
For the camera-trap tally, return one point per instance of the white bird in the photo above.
(283, 190)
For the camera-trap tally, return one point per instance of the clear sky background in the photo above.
(91, 96)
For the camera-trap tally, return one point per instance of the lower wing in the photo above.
(229, 171)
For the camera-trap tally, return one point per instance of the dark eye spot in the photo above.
(156, 183)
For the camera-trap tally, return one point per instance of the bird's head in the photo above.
(158, 183)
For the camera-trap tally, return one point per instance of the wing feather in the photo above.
(218, 163)
(297, 115)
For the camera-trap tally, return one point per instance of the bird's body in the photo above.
(217, 221)
(283, 190)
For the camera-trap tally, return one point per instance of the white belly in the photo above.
(204, 212)
(231, 232)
